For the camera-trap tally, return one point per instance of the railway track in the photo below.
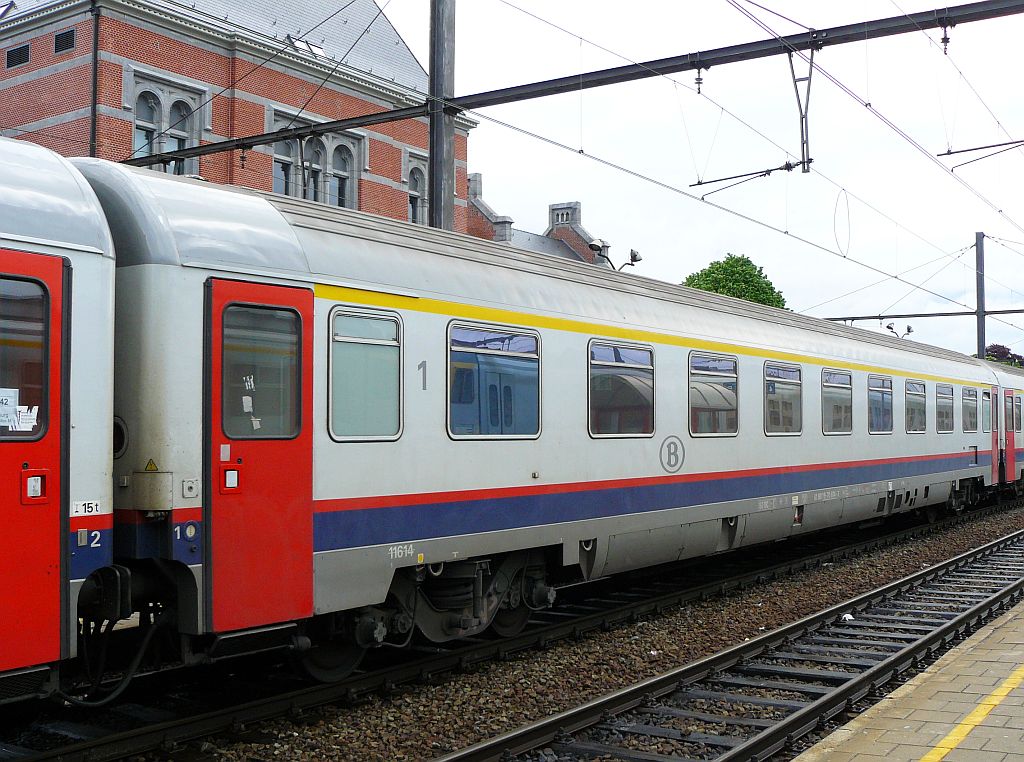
(90, 737)
(750, 701)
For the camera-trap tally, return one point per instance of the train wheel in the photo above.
(331, 661)
(509, 622)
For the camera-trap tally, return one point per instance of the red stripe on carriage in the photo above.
(101, 521)
(424, 498)
(182, 515)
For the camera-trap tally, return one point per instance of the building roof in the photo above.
(522, 239)
(380, 51)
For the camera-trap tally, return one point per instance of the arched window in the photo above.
(179, 130)
(313, 156)
(341, 190)
(417, 202)
(147, 117)
(284, 159)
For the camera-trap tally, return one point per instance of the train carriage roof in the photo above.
(43, 198)
(162, 219)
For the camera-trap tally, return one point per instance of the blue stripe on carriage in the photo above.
(351, 528)
(83, 560)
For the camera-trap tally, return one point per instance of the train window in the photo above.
(917, 407)
(260, 383)
(1016, 414)
(879, 405)
(493, 382)
(836, 402)
(1008, 413)
(783, 404)
(365, 376)
(23, 331)
(969, 409)
(986, 411)
(621, 390)
(713, 395)
(943, 408)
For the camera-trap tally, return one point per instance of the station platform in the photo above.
(967, 707)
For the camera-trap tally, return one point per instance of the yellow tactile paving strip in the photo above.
(967, 707)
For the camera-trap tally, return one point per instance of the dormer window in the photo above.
(307, 47)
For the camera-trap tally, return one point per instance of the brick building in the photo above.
(117, 78)
(123, 78)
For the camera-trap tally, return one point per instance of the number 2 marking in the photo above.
(95, 540)
(422, 368)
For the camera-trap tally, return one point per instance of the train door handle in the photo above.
(35, 486)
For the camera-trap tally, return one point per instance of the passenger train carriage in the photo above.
(333, 431)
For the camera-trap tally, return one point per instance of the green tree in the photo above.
(737, 276)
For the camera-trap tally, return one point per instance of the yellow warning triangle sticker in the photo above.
(151, 466)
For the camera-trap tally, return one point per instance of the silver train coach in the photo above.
(333, 431)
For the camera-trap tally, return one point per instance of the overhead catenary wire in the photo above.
(776, 13)
(876, 283)
(724, 110)
(740, 215)
(962, 76)
(933, 275)
(733, 115)
(879, 115)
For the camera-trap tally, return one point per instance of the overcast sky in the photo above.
(872, 195)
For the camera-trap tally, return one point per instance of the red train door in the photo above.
(994, 413)
(1009, 440)
(31, 457)
(259, 468)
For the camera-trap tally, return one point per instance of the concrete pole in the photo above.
(441, 171)
(979, 259)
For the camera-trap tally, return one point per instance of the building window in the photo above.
(166, 119)
(713, 396)
(621, 390)
(494, 383)
(341, 190)
(179, 128)
(328, 170)
(836, 402)
(986, 412)
(916, 407)
(879, 405)
(284, 160)
(969, 409)
(943, 408)
(313, 168)
(417, 199)
(365, 376)
(783, 404)
(17, 56)
(64, 41)
(147, 118)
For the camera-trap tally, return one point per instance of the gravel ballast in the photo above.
(425, 721)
